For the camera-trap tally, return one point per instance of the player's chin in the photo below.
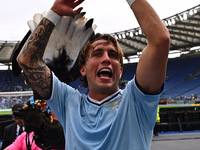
(108, 87)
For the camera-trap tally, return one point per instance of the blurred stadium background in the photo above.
(180, 101)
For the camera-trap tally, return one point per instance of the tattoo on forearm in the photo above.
(37, 42)
(39, 79)
(37, 73)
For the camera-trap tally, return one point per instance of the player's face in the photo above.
(102, 69)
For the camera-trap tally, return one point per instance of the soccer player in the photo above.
(107, 118)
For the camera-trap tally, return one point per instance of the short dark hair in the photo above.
(16, 108)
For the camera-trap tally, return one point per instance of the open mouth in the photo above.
(105, 73)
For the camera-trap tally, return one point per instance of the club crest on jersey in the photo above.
(115, 109)
(114, 105)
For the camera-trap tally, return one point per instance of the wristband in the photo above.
(53, 17)
(130, 2)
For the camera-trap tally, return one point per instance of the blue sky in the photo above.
(109, 15)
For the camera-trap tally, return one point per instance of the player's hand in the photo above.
(66, 7)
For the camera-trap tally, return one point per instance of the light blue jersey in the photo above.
(123, 122)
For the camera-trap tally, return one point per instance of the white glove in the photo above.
(70, 34)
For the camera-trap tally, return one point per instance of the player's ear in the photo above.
(82, 71)
(121, 71)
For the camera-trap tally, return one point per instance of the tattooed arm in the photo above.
(30, 57)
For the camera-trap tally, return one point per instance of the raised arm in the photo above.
(151, 69)
(30, 57)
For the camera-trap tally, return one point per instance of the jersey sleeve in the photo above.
(145, 105)
(59, 98)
